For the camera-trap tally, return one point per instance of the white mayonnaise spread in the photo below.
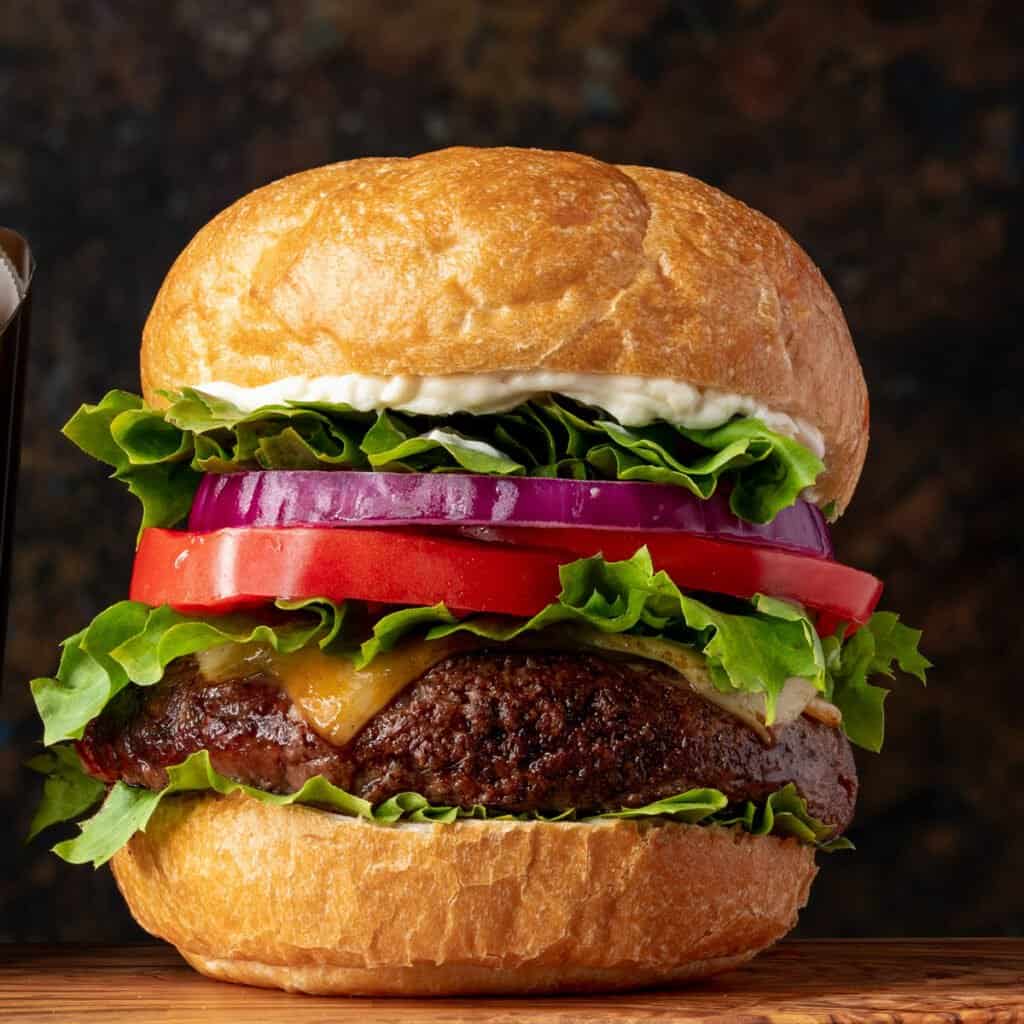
(447, 437)
(633, 401)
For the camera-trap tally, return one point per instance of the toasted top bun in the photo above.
(482, 260)
(296, 898)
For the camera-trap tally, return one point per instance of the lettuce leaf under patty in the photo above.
(128, 809)
(161, 454)
(753, 649)
(68, 791)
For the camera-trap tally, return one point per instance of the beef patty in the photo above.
(512, 730)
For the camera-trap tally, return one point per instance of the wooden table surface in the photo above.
(838, 981)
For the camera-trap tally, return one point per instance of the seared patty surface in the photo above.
(516, 731)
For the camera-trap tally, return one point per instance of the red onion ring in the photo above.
(353, 498)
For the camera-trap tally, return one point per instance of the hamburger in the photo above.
(485, 633)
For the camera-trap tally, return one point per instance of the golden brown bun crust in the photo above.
(474, 260)
(296, 898)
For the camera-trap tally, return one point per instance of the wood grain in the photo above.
(970, 980)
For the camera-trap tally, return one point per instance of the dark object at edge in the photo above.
(16, 267)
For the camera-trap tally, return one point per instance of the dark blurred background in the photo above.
(886, 136)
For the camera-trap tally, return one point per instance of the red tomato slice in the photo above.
(246, 566)
(738, 568)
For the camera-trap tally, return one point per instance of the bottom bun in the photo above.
(304, 900)
(450, 980)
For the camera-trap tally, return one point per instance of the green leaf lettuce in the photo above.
(161, 454)
(872, 650)
(128, 809)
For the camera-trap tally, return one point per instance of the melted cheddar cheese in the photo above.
(334, 697)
